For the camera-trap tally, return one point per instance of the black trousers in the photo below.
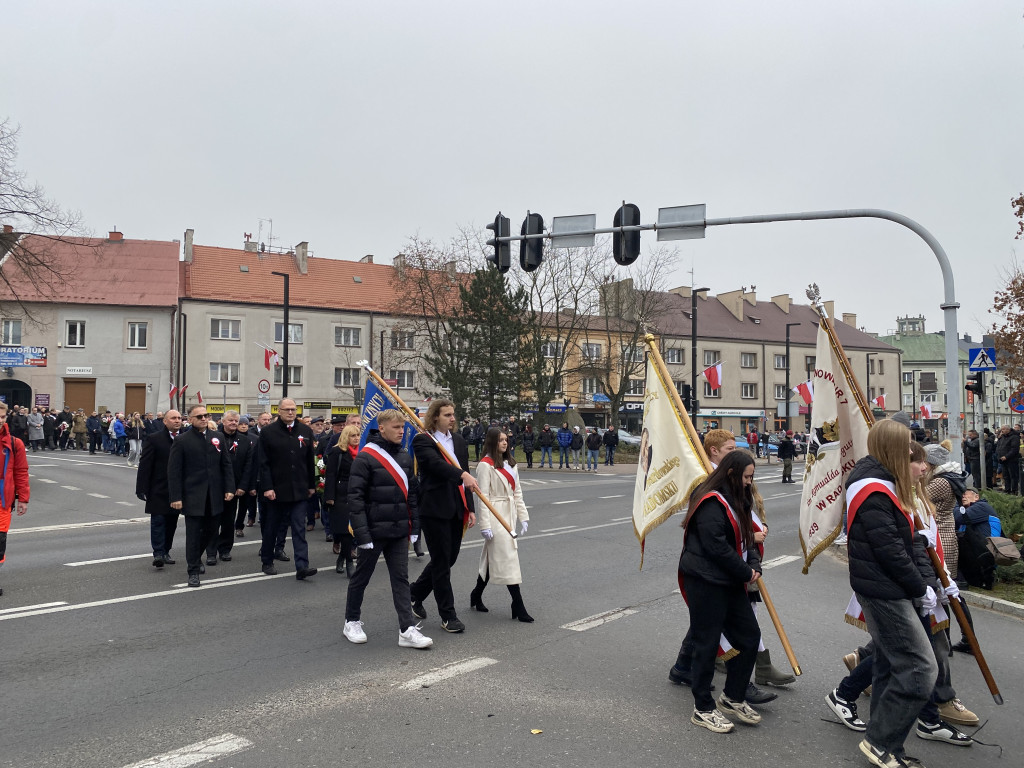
(198, 532)
(223, 537)
(396, 555)
(716, 610)
(444, 537)
(280, 514)
(1011, 475)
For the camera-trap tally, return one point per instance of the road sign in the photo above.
(1017, 402)
(262, 400)
(264, 386)
(981, 359)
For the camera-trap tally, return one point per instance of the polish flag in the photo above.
(806, 391)
(199, 396)
(270, 358)
(926, 411)
(173, 392)
(181, 392)
(714, 376)
(880, 401)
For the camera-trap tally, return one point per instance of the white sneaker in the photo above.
(413, 638)
(353, 632)
(713, 720)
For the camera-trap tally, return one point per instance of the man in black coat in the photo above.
(288, 479)
(199, 476)
(240, 452)
(1008, 452)
(151, 487)
(445, 499)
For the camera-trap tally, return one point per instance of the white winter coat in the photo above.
(500, 555)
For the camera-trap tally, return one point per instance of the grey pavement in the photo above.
(130, 666)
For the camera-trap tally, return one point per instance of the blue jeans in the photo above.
(905, 670)
(609, 455)
(563, 456)
(545, 450)
(592, 457)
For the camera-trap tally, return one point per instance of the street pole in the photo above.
(284, 377)
(789, 392)
(693, 353)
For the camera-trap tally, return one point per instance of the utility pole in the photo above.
(284, 376)
(694, 401)
(789, 392)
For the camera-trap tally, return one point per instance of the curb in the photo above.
(974, 599)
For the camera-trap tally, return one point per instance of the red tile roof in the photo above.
(140, 273)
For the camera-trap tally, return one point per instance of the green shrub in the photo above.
(1009, 510)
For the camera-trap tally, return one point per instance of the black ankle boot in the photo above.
(519, 611)
(476, 596)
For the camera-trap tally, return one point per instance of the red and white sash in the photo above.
(388, 462)
(858, 492)
(509, 477)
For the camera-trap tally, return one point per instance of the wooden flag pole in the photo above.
(937, 563)
(691, 430)
(416, 422)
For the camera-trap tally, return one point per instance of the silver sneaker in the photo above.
(413, 638)
(714, 721)
(738, 709)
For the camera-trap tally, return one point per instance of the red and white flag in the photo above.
(879, 401)
(199, 396)
(173, 392)
(926, 411)
(270, 358)
(181, 392)
(806, 391)
(714, 376)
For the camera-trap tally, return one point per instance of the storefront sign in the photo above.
(719, 412)
(78, 371)
(313, 405)
(42, 401)
(223, 408)
(23, 357)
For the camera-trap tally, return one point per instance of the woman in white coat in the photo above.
(499, 560)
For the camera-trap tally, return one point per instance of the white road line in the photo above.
(582, 625)
(200, 752)
(778, 561)
(447, 671)
(540, 482)
(125, 503)
(40, 466)
(28, 608)
(570, 501)
(563, 528)
(620, 519)
(45, 480)
(256, 576)
(144, 556)
(616, 496)
(98, 496)
(73, 526)
(71, 487)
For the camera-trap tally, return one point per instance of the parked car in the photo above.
(774, 440)
(624, 437)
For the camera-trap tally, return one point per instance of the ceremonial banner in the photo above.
(670, 467)
(839, 437)
(375, 401)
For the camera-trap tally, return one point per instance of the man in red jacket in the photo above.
(14, 489)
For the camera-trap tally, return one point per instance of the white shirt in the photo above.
(446, 442)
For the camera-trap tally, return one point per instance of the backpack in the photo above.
(1003, 550)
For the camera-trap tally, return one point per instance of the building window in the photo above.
(748, 391)
(709, 392)
(908, 399)
(680, 385)
(225, 329)
(591, 352)
(75, 336)
(403, 378)
(871, 365)
(871, 393)
(346, 337)
(636, 387)
(294, 333)
(346, 377)
(809, 362)
(780, 392)
(674, 355)
(712, 357)
(551, 349)
(780, 362)
(591, 385)
(748, 359)
(294, 374)
(403, 340)
(10, 333)
(881, 367)
(224, 373)
(137, 335)
(633, 354)
(908, 377)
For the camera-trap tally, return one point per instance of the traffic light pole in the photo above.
(979, 403)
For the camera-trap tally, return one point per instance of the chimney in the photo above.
(449, 267)
(115, 237)
(733, 301)
(367, 259)
(399, 264)
(8, 229)
(751, 297)
(684, 291)
(189, 234)
(850, 319)
(302, 257)
(830, 309)
(782, 301)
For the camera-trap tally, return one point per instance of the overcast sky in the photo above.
(356, 125)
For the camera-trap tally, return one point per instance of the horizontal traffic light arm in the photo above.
(602, 231)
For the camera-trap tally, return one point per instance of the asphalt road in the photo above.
(106, 661)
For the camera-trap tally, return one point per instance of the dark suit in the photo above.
(151, 484)
(441, 510)
(240, 450)
(198, 474)
(287, 468)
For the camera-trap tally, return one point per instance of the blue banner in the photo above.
(375, 401)
(23, 357)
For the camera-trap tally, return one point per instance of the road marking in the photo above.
(570, 501)
(6, 611)
(540, 482)
(778, 561)
(447, 671)
(616, 496)
(74, 526)
(71, 487)
(125, 503)
(144, 556)
(200, 752)
(98, 496)
(582, 625)
(620, 519)
(45, 480)
(257, 576)
(563, 528)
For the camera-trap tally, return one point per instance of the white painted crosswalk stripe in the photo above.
(570, 501)
(200, 752)
(582, 625)
(98, 496)
(776, 561)
(447, 671)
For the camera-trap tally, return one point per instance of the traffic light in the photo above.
(531, 252)
(502, 258)
(626, 245)
(685, 396)
(976, 384)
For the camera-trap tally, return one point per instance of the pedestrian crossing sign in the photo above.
(981, 359)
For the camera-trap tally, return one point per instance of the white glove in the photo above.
(414, 538)
(525, 525)
(370, 546)
(487, 533)
(929, 601)
(953, 591)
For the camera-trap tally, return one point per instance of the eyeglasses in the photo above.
(200, 415)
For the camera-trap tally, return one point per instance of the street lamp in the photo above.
(693, 352)
(788, 390)
(284, 377)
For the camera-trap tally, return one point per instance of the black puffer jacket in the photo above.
(710, 551)
(377, 507)
(882, 563)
